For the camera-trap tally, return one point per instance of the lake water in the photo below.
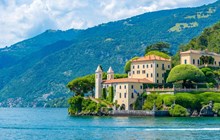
(55, 124)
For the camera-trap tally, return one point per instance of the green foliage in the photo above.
(187, 100)
(216, 108)
(117, 76)
(75, 104)
(185, 72)
(168, 100)
(209, 76)
(158, 47)
(209, 96)
(158, 53)
(127, 66)
(140, 101)
(82, 85)
(110, 94)
(78, 104)
(150, 101)
(104, 93)
(209, 39)
(178, 111)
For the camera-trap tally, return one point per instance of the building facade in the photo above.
(145, 70)
(200, 58)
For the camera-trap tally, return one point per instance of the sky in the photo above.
(22, 19)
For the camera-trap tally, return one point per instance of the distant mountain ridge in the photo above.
(36, 70)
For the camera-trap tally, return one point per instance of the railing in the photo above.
(159, 89)
(182, 89)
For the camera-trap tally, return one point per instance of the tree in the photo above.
(158, 53)
(82, 85)
(110, 94)
(186, 73)
(160, 46)
(127, 66)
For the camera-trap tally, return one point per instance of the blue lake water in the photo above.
(55, 124)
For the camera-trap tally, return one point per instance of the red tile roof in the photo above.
(150, 58)
(126, 80)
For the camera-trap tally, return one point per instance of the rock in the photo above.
(207, 110)
(195, 113)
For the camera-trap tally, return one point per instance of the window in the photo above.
(163, 67)
(133, 72)
(143, 66)
(138, 66)
(147, 74)
(143, 71)
(132, 95)
(119, 95)
(141, 87)
(157, 81)
(157, 74)
(157, 65)
(215, 62)
(193, 61)
(147, 65)
(119, 87)
(219, 63)
(151, 75)
(185, 61)
(133, 67)
(198, 61)
(163, 74)
(124, 86)
(138, 72)
(151, 65)
(132, 86)
(125, 95)
(168, 66)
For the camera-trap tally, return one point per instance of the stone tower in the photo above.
(98, 82)
(110, 74)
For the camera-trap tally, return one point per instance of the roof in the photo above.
(110, 70)
(150, 58)
(204, 52)
(126, 80)
(99, 69)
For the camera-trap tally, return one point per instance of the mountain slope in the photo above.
(110, 44)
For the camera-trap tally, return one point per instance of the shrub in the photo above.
(104, 93)
(169, 100)
(75, 104)
(178, 111)
(149, 102)
(185, 73)
(110, 94)
(216, 108)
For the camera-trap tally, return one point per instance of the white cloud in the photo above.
(21, 19)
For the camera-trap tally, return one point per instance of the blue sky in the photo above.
(22, 19)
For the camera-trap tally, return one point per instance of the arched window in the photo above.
(125, 95)
(119, 95)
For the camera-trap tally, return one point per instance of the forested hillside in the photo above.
(37, 70)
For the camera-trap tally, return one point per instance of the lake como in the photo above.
(55, 124)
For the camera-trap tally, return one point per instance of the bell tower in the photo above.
(98, 82)
(110, 74)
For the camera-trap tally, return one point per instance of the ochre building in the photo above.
(145, 70)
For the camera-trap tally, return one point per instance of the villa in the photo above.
(145, 70)
(200, 58)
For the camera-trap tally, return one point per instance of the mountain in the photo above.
(40, 67)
